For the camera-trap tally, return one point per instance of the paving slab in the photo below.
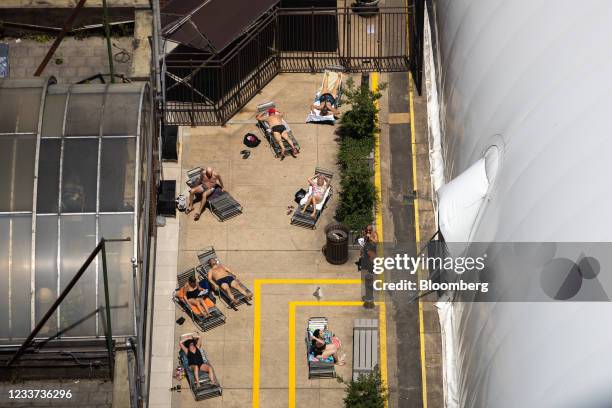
(261, 244)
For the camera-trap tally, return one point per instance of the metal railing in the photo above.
(208, 89)
(100, 248)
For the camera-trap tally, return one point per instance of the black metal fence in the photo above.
(207, 89)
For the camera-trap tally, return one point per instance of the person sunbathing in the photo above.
(318, 186)
(195, 295)
(279, 130)
(221, 276)
(191, 348)
(322, 350)
(210, 181)
(327, 100)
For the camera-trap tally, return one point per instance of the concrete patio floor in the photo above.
(261, 244)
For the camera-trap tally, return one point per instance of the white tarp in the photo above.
(449, 368)
(459, 202)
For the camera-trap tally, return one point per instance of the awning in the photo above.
(210, 25)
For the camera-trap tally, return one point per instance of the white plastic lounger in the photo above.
(314, 116)
(265, 129)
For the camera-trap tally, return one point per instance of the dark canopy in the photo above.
(211, 25)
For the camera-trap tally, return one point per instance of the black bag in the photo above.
(250, 140)
(301, 193)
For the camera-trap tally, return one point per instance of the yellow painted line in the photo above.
(417, 231)
(377, 172)
(417, 227)
(257, 318)
(292, 339)
(256, 341)
(379, 231)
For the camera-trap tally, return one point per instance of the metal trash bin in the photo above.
(336, 247)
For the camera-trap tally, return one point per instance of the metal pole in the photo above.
(109, 329)
(60, 37)
(312, 40)
(55, 305)
(135, 294)
(108, 42)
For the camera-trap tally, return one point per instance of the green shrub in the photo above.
(360, 122)
(354, 150)
(367, 392)
(357, 197)
(357, 130)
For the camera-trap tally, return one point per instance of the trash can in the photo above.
(336, 247)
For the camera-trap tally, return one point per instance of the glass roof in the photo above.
(69, 164)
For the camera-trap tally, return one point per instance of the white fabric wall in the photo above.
(538, 74)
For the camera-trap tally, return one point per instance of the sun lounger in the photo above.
(204, 389)
(204, 256)
(221, 203)
(302, 217)
(318, 368)
(266, 130)
(216, 317)
(333, 75)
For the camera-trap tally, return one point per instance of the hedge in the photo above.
(357, 129)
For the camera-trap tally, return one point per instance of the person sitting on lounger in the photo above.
(327, 100)
(195, 295)
(318, 186)
(322, 350)
(221, 276)
(210, 181)
(279, 130)
(191, 348)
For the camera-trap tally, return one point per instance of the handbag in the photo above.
(299, 195)
(250, 140)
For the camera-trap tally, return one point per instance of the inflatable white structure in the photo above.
(533, 79)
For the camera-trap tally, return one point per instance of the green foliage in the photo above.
(360, 122)
(367, 392)
(357, 130)
(354, 151)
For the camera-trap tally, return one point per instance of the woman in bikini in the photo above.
(322, 350)
(192, 293)
(318, 186)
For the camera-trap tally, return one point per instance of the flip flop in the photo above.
(246, 154)
(196, 217)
